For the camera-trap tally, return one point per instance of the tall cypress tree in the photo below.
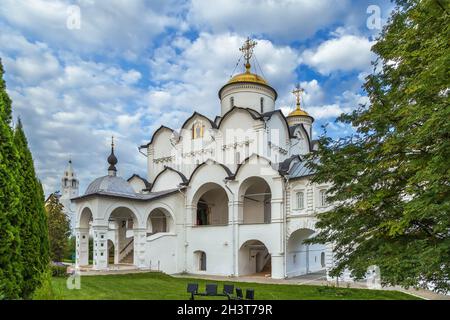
(34, 249)
(58, 228)
(390, 180)
(10, 245)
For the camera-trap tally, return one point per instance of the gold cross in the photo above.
(297, 93)
(247, 49)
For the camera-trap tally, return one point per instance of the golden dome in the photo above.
(248, 77)
(298, 112)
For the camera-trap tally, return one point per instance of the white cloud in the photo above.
(72, 92)
(283, 20)
(189, 80)
(344, 53)
(70, 107)
(111, 26)
(326, 111)
(131, 77)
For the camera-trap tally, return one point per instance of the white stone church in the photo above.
(229, 196)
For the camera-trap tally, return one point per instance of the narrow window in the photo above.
(300, 200)
(322, 259)
(323, 198)
(261, 102)
(231, 102)
(238, 157)
(198, 130)
(203, 261)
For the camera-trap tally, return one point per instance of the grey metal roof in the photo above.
(299, 169)
(110, 184)
(135, 196)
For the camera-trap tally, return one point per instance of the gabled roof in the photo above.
(147, 184)
(154, 134)
(299, 170)
(284, 166)
(200, 115)
(269, 115)
(301, 127)
(227, 170)
(137, 196)
(254, 114)
(166, 168)
(245, 160)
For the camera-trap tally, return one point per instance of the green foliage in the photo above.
(46, 291)
(58, 270)
(10, 219)
(159, 286)
(34, 251)
(70, 252)
(391, 178)
(23, 225)
(58, 228)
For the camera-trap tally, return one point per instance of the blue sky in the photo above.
(126, 67)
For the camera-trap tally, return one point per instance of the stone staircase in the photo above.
(126, 254)
(128, 258)
(267, 269)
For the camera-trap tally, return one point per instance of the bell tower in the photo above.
(69, 182)
(69, 189)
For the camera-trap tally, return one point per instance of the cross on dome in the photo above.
(247, 50)
(297, 93)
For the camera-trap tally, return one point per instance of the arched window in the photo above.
(300, 198)
(322, 259)
(200, 257)
(231, 102)
(198, 129)
(261, 102)
(203, 211)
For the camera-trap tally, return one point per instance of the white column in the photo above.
(100, 247)
(277, 261)
(116, 242)
(82, 247)
(140, 238)
(233, 214)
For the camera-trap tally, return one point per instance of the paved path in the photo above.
(316, 279)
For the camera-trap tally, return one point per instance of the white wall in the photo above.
(247, 96)
(166, 180)
(216, 242)
(137, 184)
(161, 251)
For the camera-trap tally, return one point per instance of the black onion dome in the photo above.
(112, 160)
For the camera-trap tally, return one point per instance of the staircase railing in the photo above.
(124, 251)
(128, 244)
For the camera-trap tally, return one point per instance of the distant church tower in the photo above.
(69, 189)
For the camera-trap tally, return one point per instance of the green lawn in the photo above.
(158, 286)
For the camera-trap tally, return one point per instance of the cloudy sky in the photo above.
(126, 67)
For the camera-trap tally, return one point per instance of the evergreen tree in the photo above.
(391, 178)
(10, 261)
(34, 250)
(58, 228)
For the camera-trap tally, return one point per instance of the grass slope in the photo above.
(158, 286)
